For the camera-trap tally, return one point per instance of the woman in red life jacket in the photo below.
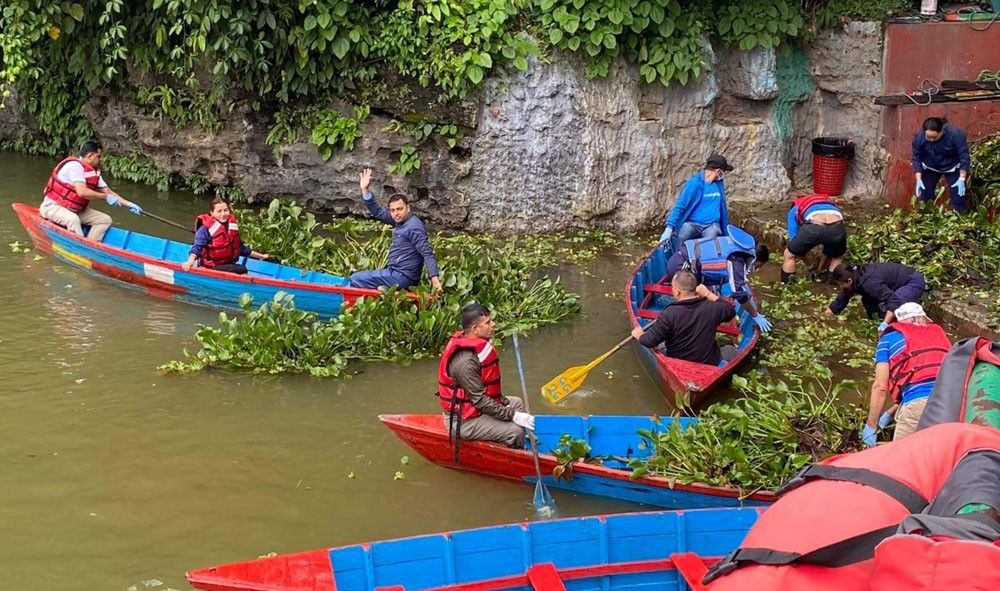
(73, 184)
(217, 245)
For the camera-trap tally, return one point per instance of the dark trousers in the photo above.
(231, 268)
(931, 179)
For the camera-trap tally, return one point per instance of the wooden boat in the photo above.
(631, 551)
(646, 294)
(153, 264)
(606, 435)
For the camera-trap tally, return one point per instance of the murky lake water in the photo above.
(114, 474)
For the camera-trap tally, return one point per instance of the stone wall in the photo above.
(548, 149)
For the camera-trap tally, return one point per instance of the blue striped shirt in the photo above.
(889, 349)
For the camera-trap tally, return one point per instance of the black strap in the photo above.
(906, 496)
(696, 263)
(850, 551)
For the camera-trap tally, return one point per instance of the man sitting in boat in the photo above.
(469, 386)
(73, 184)
(724, 260)
(217, 245)
(700, 211)
(410, 250)
(883, 288)
(687, 326)
(907, 359)
(814, 220)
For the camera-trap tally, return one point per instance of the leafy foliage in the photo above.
(984, 174)
(758, 441)
(276, 337)
(409, 160)
(331, 130)
(202, 54)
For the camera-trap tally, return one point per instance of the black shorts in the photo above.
(833, 237)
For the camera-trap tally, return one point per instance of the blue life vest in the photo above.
(709, 257)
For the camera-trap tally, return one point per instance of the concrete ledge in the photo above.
(965, 317)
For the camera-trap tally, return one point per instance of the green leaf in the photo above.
(310, 23)
(475, 73)
(555, 36)
(76, 11)
(340, 47)
(485, 60)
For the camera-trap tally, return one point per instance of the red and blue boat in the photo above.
(656, 551)
(647, 293)
(153, 264)
(615, 436)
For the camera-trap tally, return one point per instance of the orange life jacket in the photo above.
(926, 347)
(64, 194)
(822, 532)
(224, 248)
(452, 397)
(919, 563)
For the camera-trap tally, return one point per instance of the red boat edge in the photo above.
(427, 436)
(302, 571)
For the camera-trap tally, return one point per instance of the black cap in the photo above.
(718, 161)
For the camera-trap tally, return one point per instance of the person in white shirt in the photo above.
(73, 184)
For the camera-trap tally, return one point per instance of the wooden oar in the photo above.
(166, 221)
(565, 383)
(544, 504)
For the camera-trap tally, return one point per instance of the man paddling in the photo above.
(469, 387)
(73, 184)
(726, 260)
(907, 360)
(410, 250)
(687, 326)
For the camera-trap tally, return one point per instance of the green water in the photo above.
(116, 476)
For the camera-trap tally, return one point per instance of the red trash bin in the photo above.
(830, 158)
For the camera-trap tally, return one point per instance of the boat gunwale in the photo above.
(356, 292)
(397, 423)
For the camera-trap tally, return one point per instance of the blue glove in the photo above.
(134, 208)
(111, 199)
(960, 183)
(762, 322)
(920, 186)
(884, 420)
(883, 326)
(666, 234)
(868, 436)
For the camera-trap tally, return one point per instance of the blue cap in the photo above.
(742, 238)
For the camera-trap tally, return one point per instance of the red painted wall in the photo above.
(935, 51)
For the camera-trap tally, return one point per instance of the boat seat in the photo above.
(658, 288)
(644, 313)
(545, 577)
(692, 568)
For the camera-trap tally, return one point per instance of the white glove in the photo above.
(525, 420)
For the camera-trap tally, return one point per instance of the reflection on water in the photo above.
(115, 475)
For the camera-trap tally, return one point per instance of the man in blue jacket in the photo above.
(410, 250)
(940, 149)
(700, 211)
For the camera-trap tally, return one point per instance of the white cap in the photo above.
(909, 310)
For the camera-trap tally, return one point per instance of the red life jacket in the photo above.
(822, 531)
(807, 201)
(926, 347)
(452, 397)
(918, 563)
(224, 248)
(64, 194)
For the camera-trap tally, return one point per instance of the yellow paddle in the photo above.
(568, 381)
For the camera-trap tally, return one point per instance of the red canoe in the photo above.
(646, 294)
(607, 435)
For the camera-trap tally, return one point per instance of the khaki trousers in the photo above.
(907, 417)
(98, 221)
(487, 428)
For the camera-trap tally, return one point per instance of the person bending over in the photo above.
(724, 260)
(217, 244)
(814, 220)
(883, 288)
